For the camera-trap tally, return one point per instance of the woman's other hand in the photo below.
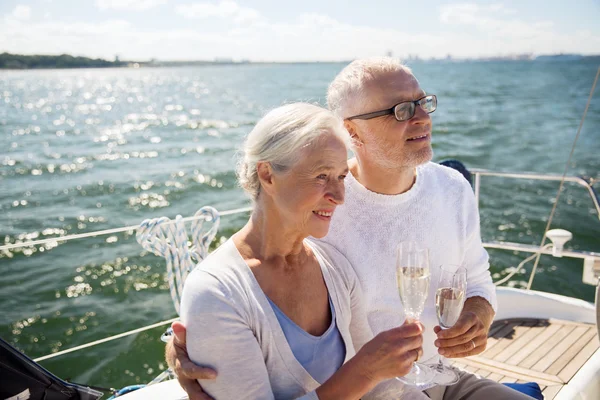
(187, 372)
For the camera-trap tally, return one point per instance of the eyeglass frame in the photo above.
(391, 111)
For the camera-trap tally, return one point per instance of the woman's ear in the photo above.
(353, 132)
(264, 170)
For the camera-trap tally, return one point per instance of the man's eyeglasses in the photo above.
(405, 110)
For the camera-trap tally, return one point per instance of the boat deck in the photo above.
(548, 352)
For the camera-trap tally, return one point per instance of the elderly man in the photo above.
(395, 194)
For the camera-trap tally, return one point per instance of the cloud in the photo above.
(492, 30)
(109, 38)
(128, 5)
(494, 19)
(467, 30)
(500, 8)
(224, 9)
(21, 12)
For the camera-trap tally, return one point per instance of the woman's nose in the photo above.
(337, 193)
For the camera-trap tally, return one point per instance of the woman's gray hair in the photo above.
(279, 137)
(346, 96)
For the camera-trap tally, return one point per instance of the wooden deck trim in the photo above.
(533, 345)
(571, 353)
(585, 354)
(545, 362)
(548, 352)
(518, 344)
(546, 346)
(550, 392)
(504, 342)
(499, 334)
(475, 362)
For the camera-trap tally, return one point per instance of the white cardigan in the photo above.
(232, 328)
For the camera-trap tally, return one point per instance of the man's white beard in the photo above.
(410, 160)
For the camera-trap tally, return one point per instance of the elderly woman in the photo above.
(275, 314)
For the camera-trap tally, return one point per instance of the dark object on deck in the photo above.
(531, 389)
(23, 378)
(460, 167)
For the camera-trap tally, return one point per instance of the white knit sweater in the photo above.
(440, 212)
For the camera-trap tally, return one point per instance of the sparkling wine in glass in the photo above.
(449, 302)
(413, 279)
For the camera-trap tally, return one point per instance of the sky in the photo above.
(308, 30)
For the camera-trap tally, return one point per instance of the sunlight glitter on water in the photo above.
(107, 127)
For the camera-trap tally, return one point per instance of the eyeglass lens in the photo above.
(406, 110)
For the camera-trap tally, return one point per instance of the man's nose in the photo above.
(421, 116)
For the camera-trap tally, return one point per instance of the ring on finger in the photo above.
(417, 356)
(474, 345)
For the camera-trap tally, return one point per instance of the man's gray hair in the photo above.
(279, 137)
(346, 93)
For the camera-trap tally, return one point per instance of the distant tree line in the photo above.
(18, 61)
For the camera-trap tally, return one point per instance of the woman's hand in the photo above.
(387, 355)
(392, 353)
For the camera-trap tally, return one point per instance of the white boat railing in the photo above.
(530, 248)
(129, 229)
(519, 247)
(592, 259)
(587, 183)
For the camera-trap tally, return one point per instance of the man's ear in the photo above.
(264, 170)
(353, 132)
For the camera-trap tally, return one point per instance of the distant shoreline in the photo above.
(10, 61)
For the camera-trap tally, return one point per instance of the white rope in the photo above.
(106, 231)
(107, 339)
(169, 239)
(562, 181)
(516, 270)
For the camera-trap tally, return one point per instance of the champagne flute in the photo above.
(413, 277)
(449, 301)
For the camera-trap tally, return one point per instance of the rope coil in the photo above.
(163, 238)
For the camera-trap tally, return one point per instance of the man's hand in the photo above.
(468, 336)
(187, 372)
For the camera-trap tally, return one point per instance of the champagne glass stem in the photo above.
(440, 365)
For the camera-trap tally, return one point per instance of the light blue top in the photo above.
(321, 355)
